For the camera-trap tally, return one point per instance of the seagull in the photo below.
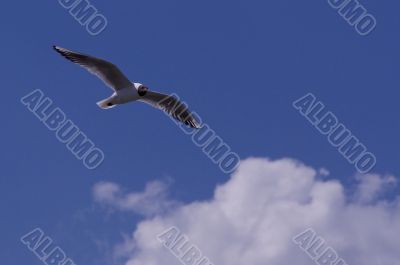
(126, 91)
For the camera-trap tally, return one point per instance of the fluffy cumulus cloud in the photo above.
(372, 186)
(254, 216)
(153, 200)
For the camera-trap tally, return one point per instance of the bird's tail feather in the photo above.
(106, 103)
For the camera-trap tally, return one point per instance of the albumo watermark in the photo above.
(205, 138)
(65, 130)
(338, 135)
(317, 249)
(44, 248)
(181, 247)
(86, 14)
(355, 14)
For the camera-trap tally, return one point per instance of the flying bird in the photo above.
(126, 91)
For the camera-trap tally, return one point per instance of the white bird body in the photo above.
(126, 95)
(126, 91)
(122, 96)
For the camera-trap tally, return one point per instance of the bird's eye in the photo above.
(142, 91)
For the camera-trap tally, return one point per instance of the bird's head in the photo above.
(141, 89)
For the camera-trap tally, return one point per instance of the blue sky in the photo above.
(238, 64)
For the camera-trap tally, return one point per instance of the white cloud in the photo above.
(253, 217)
(372, 186)
(153, 200)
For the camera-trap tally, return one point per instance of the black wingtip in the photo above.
(61, 51)
(57, 49)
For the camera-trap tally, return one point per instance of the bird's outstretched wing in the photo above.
(106, 71)
(172, 106)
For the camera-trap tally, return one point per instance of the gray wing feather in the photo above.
(106, 71)
(172, 106)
